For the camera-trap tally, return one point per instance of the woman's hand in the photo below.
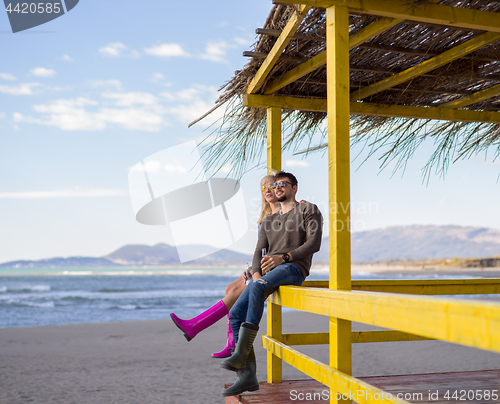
(268, 263)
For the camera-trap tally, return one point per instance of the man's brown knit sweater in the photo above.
(297, 232)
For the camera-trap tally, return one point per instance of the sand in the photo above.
(151, 362)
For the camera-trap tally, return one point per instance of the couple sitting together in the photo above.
(291, 233)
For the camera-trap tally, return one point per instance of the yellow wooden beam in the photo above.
(337, 73)
(354, 389)
(422, 286)
(471, 323)
(274, 330)
(278, 48)
(296, 103)
(357, 337)
(426, 66)
(473, 98)
(459, 17)
(319, 60)
(366, 108)
(446, 114)
(273, 139)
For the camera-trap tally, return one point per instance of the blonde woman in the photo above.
(193, 326)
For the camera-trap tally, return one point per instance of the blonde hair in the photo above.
(266, 207)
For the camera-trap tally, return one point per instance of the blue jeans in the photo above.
(250, 305)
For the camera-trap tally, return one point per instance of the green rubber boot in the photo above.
(237, 361)
(245, 380)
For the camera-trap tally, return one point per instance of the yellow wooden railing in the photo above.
(411, 317)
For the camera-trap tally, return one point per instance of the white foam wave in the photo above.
(127, 307)
(30, 288)
(42, 304)
(3, 289)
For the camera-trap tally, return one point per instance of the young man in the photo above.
(291, 237)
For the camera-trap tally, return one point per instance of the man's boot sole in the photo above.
(238, 392)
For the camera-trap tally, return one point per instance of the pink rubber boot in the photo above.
(204, 320)
(226, 352)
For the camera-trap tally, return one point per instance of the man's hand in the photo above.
(270, 262)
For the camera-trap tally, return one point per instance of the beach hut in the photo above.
(395, 72)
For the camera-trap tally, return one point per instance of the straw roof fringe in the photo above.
(241, 136)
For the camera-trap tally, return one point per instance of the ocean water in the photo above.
(38, 297)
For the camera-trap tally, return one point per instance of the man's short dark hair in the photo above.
(284, 174)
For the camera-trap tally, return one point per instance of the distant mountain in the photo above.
(419, 242)
(136, 255)
(391, 243)
(164, 254)
(71, 262)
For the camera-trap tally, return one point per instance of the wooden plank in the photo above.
(426, 66)
(319, 60)
(313, 392)
(358, 337)
(273, 139)
(274, 330)
(337, 56)
(366, 108)
(278, 48)
(422, 286)
(458, 17)
(473, 98)
(471, 323)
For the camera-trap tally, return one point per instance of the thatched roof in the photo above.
(241, 135)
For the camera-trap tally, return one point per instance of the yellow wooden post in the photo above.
(337, 38)
(273, 139)
(274, 318)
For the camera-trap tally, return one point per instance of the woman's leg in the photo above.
(237, 287)
(233, 291)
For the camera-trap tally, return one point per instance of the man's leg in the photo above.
(284, 274)
(238, 312)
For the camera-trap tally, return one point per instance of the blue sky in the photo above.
(88, 95)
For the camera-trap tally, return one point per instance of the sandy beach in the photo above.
(151, 362)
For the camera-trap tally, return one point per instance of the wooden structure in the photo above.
(394, 85)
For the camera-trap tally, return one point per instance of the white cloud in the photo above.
(72, 193)
(130, 99)
(117, 49)
(7, 76)
(216, 51)
(106, 83)
(75, 115)
(67, 58)
(167, 50)
(296, 163)
(133, 119)
(192, 102)
(21, 89)
(43, 72)
(158, 76)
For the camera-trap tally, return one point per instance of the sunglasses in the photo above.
(281, 184)
(264, 189)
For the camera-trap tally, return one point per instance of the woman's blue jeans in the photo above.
(250, 305)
